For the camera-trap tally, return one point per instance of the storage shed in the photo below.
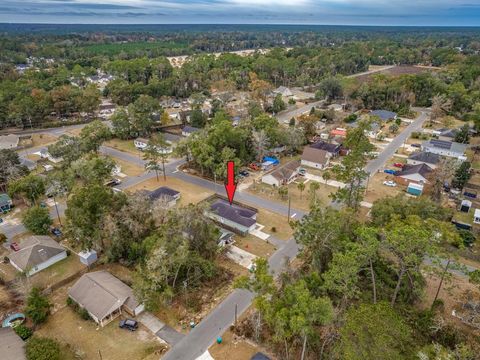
(88, 257)
(415, 189)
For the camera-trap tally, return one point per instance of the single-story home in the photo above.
(282, 175)
(12, 346)
(423, 157)
(189, 130)
(374, 131)
(333, 149)
(140, 143)
(447, 134)
(44, 154)
(37, 253)
(9, 141)
(5, 203)
(476, 216)
(384, 115)
(169, 195)
(445, 148)
(413, 173)
(29, 164)
(238, 218)
(315, 158)
(104, 297)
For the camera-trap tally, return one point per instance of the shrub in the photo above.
(23, 331)
(3, 238)
(38, 306)
(83, 313)
(351, 118)
(42, 349)
(274, 229)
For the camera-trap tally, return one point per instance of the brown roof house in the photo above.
(282, 175)
(11, 346)
(104, 297)
(37, 253)
(315, 158)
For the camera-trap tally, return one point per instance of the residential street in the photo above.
(377, 164)
(285, 116)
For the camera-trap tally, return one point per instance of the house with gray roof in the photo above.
(189, 130)
(235, 217)
(9, 141)
(12, 346)
(5, 203)
(423, 157)
(445, 148)
(104, 297)
(165, 193)
(37, 253)
(417, 174)
(384, 115)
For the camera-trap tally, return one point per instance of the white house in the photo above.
(283, 175)
(445, 148)
(140, 143)
(44, 154)
(476, 216)
(315, 158)
(37, 253)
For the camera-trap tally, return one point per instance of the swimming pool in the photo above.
(13, 320)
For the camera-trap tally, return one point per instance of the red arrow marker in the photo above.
(230, 186)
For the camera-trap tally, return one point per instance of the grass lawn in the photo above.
(57, 272)
(85, 338)
(300, 201)
(271, 220)
(254, 245)
(376, 190)
(123, 145)
(128, 168)
(39, 140)
(233, 348)
(189, 193)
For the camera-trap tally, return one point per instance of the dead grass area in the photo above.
(189, 193)
(86, 339)
(128, 168)
(376, 190)
(123, 145)
(300, 201)
(38, 140)
(74, 132)
(255, 246)
(57, 272)
(233, 347)
(275, 224)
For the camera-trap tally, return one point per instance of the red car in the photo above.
(14, 246)
(254, 166)
(399, 165)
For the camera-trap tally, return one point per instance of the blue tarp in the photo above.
(273, 160)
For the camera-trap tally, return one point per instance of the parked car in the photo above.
(417, 145)
(399, 165)
(302, 172)
(56, 231)
(1, 220)
(129, 324)
(389, 171)
(254, 167)
(14, 246)
(390, 183)
(113, 182)
(244, 173)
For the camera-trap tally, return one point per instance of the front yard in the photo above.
(189, 193)
(124, 145)
(376, 190)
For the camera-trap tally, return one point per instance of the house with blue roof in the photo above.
(384, 115)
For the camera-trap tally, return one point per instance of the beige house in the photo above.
(315, 158)
(104, 297)
(283, 175)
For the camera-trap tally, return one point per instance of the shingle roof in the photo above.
(101, 293)
(318, 156)
(11, 345)
(446, 145)
(235, 213)
(286, 171)
(384, 114)
(426, 157)
(331, 148)
(190, 129)
(421, 169)
(35, 250)
(163, 191)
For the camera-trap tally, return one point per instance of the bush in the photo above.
(350, 118)
(467, 237)
(3, 238)
(37, 220)
(42, 349)
(23, 331)
(38, 307)
(83, 313)
(274, 229)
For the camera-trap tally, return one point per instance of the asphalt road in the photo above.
(379, 162)
(285, 116)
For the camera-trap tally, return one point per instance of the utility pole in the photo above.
(236, 311)
(289, 198)
(56, 208)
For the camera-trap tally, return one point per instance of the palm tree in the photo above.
(301, 188)
(314, 186)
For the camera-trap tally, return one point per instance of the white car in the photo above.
(390, 183)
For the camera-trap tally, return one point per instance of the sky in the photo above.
(326, 12)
